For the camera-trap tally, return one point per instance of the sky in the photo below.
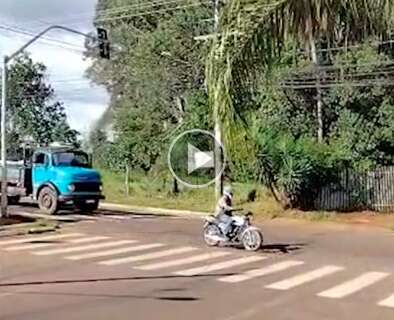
(84, 101)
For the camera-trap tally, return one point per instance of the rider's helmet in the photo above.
(228, 191)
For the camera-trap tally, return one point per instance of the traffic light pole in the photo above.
(7, 59)
(3, 140)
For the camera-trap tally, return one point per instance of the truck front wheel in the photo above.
(47, 201)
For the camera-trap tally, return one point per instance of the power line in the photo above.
(145, 5)
(29, 33)
(334, 85)
(150, 12)
(45, 40)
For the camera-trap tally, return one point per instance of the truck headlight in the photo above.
(101, 188)
(71, 187)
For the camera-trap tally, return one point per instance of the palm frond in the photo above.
(253, 34)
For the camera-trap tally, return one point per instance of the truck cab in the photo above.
(62, 175)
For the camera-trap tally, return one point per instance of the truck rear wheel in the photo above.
(47, 201)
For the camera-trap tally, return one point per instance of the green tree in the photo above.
(255, 33)
(32, 108)
(155, 78)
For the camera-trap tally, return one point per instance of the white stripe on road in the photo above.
(304, 278)
(354, 285)
(90, 239)
(116, 217)
(178, 262)
(388, 302)
(115, 251)
(219, 266)
(29, 246)
(261, 272)
(45, 245)
(83, 248)
(33, 239)
(148, 256)
(7, 294)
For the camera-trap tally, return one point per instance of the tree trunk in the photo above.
(127, 180)
(218, 156)
(319, 106)
(175, 187)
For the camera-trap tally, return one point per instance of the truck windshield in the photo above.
(71, 159)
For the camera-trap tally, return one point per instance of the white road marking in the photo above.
(304, 278)
(90, 239)
(354, 285)
(83, 248)
(261, 272)
(388, 302)
(114, 217)
(45, 245)
(29, 246)
(219, 266)
(178, 262)
(148, 256)
(115, 251)
(45, 238)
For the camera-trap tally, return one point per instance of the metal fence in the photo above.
(370, 190)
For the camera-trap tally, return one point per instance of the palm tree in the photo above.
(253, 33)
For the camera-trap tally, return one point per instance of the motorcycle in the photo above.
(241, 233)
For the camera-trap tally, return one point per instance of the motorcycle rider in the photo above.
(224, 209)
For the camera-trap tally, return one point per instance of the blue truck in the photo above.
(55, 177)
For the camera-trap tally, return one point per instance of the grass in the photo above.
(155, 192)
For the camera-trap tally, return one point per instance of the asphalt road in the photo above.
(114, 267)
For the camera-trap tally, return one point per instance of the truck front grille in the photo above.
(87, 187)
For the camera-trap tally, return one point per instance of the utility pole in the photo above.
(217, 130)
(104, 53)
(3, 139)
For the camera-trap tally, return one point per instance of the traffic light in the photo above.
(104, 46)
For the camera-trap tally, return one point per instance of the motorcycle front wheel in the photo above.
(252, 239)
(211, 235)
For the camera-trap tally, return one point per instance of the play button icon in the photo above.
(191, 158)
(197, 159)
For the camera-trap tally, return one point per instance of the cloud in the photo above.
(66, 65)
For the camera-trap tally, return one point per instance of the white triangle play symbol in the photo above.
(197, 159)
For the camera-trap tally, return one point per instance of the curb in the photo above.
(20, 231)
(26, 227)
(151, 210)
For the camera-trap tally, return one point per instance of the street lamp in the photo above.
(104, 49)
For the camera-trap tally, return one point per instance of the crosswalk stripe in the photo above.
(147, 256)
(304, 278)
(354, 285)
(83, 248)
(45, 238)
(114, 217)
(45, 245)
(29, 246)
(219, 266)
(261, 272)
(178, 262)
(90, 239)
(115, 251)
(388, 302)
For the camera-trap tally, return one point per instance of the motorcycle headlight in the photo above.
(71, 187)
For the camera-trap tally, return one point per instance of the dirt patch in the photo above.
(367, 218)
(14, 220)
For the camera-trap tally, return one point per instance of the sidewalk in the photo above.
(150, 210)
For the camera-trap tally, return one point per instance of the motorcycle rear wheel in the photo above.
(209, 231)
(252, 239)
